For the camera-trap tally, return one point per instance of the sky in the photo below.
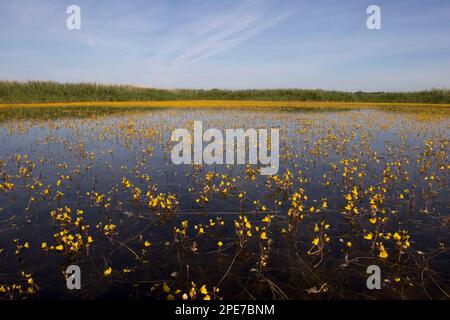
(229, 43)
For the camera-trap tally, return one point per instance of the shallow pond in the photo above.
(355, 188)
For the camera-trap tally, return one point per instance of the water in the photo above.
(400, 158)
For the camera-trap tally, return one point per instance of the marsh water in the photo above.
(355, 187)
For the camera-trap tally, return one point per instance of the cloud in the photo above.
(208, 34)
(207, 30)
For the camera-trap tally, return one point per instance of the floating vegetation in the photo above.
(96, 188)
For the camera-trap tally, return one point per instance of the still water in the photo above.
(354, 188)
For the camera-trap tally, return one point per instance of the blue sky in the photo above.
(229, 44)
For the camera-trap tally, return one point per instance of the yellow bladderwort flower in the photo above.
(315, 241)
(59, 247)
(368, 236)
(220, 243)
(203, 290)
(383, 253)
(263, 235)
(107, 272)
(147, 244)
(373, 220)
(192, 292)
(166, 288)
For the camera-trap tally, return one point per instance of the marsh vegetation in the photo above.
(356, 187)
(42, 91)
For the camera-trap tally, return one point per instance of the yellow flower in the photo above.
(368, 236)
(166, 288)
(349, 244)
(383, 253)
(192, 292)
(220, 243)
(59, 247)
(203, 290)
(147, 244)
(373, 220)
(107, 272)
(263, 235)
(315, 241)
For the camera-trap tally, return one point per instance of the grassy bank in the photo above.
(39, 91)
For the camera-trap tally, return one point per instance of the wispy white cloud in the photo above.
(235, 27)
(206, 34)
(209, 30)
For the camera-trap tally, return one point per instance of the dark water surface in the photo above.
(146, 229)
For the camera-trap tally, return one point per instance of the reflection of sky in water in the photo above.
(393, 136)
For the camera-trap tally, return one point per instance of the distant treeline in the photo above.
(45, 91)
